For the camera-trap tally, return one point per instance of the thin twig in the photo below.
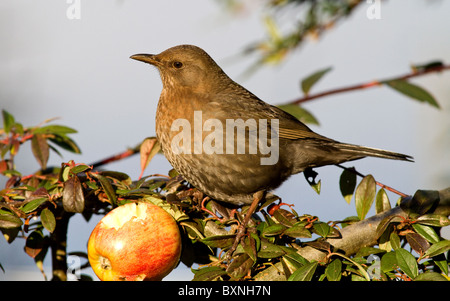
(375, 83)
(378, 183)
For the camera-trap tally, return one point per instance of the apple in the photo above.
(135, 241)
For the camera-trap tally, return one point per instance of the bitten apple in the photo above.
(135, 241)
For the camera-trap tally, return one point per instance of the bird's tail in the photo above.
(364, 151)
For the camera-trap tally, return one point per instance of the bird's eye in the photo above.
(177, 64)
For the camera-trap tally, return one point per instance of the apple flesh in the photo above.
(135, 241)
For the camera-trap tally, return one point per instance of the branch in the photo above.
(364, 233)
(414, 73)
(378, 183)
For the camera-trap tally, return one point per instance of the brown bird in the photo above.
(227, 142)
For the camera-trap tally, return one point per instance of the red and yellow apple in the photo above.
(135, 241)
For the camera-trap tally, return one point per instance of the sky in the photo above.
(78, 69)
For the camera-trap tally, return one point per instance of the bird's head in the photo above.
(186, 66)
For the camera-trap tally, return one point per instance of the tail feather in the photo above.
(364, 151)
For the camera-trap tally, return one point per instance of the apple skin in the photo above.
(135, 241)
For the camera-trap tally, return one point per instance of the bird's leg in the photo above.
(257, 197)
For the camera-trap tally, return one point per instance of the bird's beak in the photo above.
(147, 58)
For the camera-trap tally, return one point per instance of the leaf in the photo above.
(388, 262)
(8, 121)
(412, 91)
(107, 187)
(364, 196)
(284, 217)
(382, 202)
(34, 244)
(79, 168)
(417, 242)
(66, 143)
(310, 176)
(292, 262)
(240, 266)
(321, 228)
(333, 270)
(273, 230)
(40, 149)
(219, 241)
(435, 220)
(33, 205)
(394, 239)
(407, 262)
(54, 129)
(426, 232)
(430, 276)
(421, 202)
(48, 220)
(269, 250)
(427, 66)
(300, 113)
(72, 196)
(298, 231)
(208, 273)
(438, 248)
(149, 148)
(347, 184)
(10, 221)
(305, 273)
(312, 79)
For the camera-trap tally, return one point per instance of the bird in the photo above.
(199, 103)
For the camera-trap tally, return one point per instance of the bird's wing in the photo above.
(246, 105)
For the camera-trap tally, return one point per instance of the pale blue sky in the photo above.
(80, 71)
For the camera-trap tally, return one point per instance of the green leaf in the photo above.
(219, 241)
(407, 262)
(305, 273)
(382, 201)
(300, 113)
(430, 276)
(347, 184)
(292, 262)
(312, 79)
(66, 143)
(55, 129)
(364, 196)
(321, 228)
(48, 220)
(10, 221)
(40, 149)
(298, 231)
(107, 187)
(412, 91)
(333, 270)
(389, 262)
(240, 266)
(33, 205)
(270, 250)
(208, 273)
(8, 121)
(438, 248)
(273, 230)
(394, 239)
(79, 168)
(310, 176)
(435, 220)
(426, 232)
